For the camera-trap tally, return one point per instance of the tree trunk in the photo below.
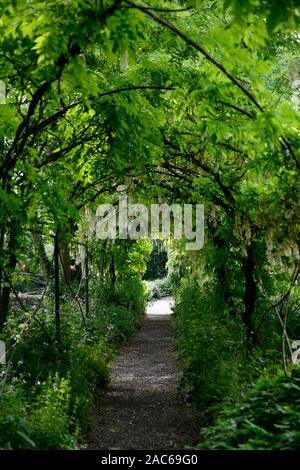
(223, 278)
(45, 264)
(1, 259)
(222, 274)
(9, 268)
(56, 288)
(250, 295)
(113, 273)
(66, 262)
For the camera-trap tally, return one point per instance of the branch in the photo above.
(198, 47)
(70, 287)
(61, 112)
(165, 10)
(96, 194)
(285, 315)
(280, 301)
(23, 128)
(283, 325)
(213, 197)
(225, 189)
(25, 309)
(110, 11)
(240, 110)
(56, 155)
(286, 144)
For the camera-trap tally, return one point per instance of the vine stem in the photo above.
(198, 47)
(285, 316)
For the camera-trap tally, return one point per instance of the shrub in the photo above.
(267, 418)
(48, 391)
(51, 419)
(208, 345)
(131, 293)
(14, 426)
(43, 422)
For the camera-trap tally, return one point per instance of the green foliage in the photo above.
(278, 15)
(46, 394)
(51, 417)
(131, 294)
(156, 264)
(201, 105)
(15, 428)
(45, 424)
(209, 345)
(267, 418)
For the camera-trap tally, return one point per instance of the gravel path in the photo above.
(140, 408)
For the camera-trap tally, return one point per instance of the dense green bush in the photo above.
(46, 392)
(14, 425)
(208, 346)
(46, 422)
(267, 418)
(131, 294)
(52, 416)
(217, 368)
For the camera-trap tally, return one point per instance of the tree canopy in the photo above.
(184, 101)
